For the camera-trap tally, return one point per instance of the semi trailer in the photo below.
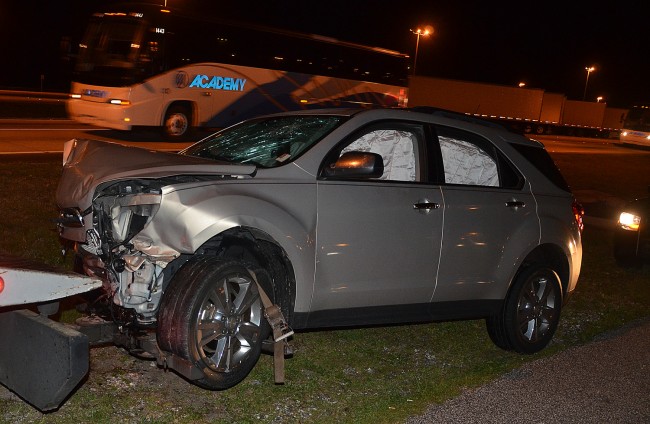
(521, 109)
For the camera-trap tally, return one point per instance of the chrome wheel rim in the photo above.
(229, 323)
(537, 309)
(177, 124)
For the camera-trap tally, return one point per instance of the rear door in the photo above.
(490, 218)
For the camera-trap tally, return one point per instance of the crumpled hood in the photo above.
(88, 163)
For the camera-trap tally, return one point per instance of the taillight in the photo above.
(2, 284)
(578, 214)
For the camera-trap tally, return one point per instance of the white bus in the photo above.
(148, 66)
(636, 126)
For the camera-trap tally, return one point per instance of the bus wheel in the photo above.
(177, 122)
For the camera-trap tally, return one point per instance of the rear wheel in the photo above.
(212, 315)
(531, 312)
(627, 261)
(626, 249)
(178, 122)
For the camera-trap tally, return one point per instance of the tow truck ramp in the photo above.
(41, 360)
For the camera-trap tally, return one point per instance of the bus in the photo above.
(636, 126)
(152, 66)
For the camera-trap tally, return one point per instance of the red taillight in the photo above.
(578, 214)
(2, 284)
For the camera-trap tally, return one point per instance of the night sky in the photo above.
(544, 44)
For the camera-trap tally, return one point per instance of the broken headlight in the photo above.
(124, 208)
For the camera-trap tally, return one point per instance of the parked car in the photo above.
(631, 237)
(343, 217)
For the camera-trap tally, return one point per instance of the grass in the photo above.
(371, 375)
(28, 209)
(623, 175)
(22, 109)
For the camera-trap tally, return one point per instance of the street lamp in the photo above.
(418, 32)
(599, 99)
(589, 70)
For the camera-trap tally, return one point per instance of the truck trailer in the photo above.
(524, 110)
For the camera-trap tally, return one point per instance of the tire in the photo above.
(212, 316)
(177, 123)
(625, 250)
(531, 312)
(631, 262)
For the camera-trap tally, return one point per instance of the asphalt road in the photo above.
(605, 381)
(47, 136)
(36, 136)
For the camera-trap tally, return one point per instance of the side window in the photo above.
(398, 147)
(467, 159)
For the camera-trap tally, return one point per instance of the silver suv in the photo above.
(343, 217)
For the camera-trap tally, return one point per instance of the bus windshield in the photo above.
(265, 143)
(112, 52)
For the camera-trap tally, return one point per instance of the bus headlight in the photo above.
(120, 102)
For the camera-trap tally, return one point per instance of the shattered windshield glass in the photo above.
(265, 143)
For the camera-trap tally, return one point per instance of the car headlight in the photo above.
(129, 214)
(629, 221)
(123, 208)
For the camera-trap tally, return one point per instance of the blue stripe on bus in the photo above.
(275, 97)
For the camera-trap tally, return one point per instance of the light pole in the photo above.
(418, 32)
(589, 70)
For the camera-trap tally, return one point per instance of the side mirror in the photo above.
(356, 165)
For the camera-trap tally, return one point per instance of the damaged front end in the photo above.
(145, 226)
(107, 208)
(112, 248)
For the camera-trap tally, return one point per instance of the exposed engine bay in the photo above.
(128, 263)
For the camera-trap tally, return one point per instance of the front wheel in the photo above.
(212, 315)
(531, 312)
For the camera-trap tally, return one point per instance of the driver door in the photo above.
(378, 240)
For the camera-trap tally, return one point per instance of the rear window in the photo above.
(541, 160)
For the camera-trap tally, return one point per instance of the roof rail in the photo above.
(431, 110)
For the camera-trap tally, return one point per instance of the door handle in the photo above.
(426, 205)
(515, 204)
